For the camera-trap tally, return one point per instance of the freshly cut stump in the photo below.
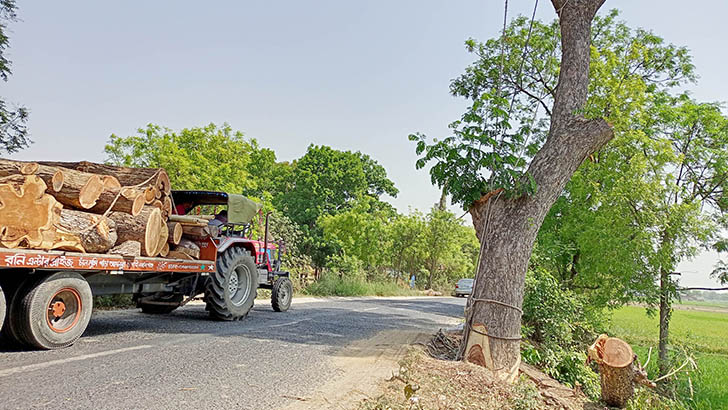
(616, 370)
(144, 228)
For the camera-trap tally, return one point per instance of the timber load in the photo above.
(94, 208)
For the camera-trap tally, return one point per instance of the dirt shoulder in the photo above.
(362, 367)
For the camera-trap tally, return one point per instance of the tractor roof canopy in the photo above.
(240, 209)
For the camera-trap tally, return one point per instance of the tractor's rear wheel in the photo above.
(282, 294)
(55, 311)
(160, 303)
(231, 290)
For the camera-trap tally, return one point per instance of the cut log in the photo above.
(179, 255)
(200, 231)
(127, 176)
(72, 188)
(188, 247)
(163, 237)
(149, 194)
(26, 211)
(143, 228)
(129, 200)
(29, 168)
(617, 371)
(191, 219)
(110, 182)
(95, 233)
(165, 250)
(167, 205)
(175, 232)
(127, 248)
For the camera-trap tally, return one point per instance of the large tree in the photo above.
(13, 129)
(514, 203)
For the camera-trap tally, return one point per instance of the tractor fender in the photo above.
(237, 242)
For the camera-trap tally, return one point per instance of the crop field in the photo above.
(705, 334)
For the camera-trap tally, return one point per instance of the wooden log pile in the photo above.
(94, 208)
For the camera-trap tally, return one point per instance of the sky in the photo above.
(353, 75)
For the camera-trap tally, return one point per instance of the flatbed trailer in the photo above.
(46, 297)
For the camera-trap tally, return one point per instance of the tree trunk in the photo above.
(665, 313)
(144, 228)
(127, 200)
(156, 177)
(618, 370)
(127, 248)
(95, 233)
(507, 227)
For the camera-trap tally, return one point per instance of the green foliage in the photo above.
(210, 157)
(13, 129)
(333, 285)
(558, 328)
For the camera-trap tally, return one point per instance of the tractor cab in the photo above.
(233, 234)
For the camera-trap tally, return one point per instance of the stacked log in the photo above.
(94, 208)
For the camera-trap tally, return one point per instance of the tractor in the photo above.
(243, 264)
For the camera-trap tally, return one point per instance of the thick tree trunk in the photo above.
(665, 313)
(144, 228)
(175, 232)
(127, 248)
(156, 177)
(127, 200)
(26, 212)
(507, 227)
(95, 233)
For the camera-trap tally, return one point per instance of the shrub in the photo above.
(558, 326)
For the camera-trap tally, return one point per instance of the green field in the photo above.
(705, 332)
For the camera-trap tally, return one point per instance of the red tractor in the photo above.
(242, 264)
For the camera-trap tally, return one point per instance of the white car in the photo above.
(464, 287)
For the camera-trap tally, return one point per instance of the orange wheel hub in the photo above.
(64, 310)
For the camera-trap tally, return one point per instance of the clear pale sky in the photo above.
(353, 75)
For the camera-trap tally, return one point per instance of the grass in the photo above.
(333, 286)
(702, 303)
(705, 332)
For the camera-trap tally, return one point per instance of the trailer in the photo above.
(46, 297)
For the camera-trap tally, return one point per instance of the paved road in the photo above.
(130, 360)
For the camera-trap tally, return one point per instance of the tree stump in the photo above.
(617, 370)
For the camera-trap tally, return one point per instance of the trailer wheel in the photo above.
(148, 306)
(3, 308)
(230, 292)
(282, 294)
(55, 311)
(14, 287)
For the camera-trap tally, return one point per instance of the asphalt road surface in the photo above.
(127, 359)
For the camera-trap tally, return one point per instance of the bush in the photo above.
(558, 326)
(331, 285)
